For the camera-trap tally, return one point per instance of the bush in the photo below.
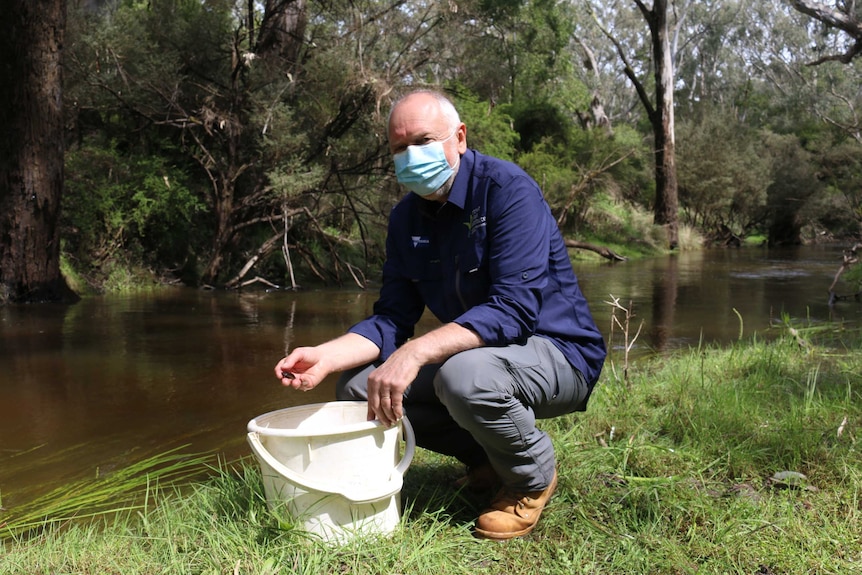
(125, 210)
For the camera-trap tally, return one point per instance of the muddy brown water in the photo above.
(87, 388)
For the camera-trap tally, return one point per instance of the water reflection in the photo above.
(110, 380)
(695, 298)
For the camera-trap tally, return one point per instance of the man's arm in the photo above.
(308, 366)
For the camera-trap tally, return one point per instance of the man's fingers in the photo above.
(396, 404)
(389, 409)
(384, 412)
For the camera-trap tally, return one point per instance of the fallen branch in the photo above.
(258, 279)
(601, 250)
(267, 247)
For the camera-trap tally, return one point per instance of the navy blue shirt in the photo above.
(491, 259)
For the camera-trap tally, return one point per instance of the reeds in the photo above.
(121, 491)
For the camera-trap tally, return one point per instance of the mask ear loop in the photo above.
(458, 161)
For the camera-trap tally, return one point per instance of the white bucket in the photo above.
(330, 468)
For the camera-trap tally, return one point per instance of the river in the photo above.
(112, 379)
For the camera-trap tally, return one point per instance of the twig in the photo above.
(628, 343)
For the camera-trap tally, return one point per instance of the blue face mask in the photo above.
(423, 169)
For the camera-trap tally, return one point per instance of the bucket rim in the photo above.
(360, 426)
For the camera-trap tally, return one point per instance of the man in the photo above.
(475, 243)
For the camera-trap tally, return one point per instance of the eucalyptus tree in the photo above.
(841, 17)
(645, 54)
(835, 31)
(800, 91)
(31, 151)
(706, 46)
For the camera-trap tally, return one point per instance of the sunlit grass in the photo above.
(680, 469)
(122, 490)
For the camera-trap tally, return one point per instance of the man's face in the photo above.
(418, 120)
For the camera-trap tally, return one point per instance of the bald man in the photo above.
(475, 243)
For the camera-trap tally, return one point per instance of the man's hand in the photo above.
(386, 386)
(305, 367)
(387, 383)
(302, 369)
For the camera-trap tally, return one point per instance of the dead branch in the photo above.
(850, 258)
(601, 250)
(265, 248)
(587, 177)
(258, 279)
(353, 271)
(285, 248)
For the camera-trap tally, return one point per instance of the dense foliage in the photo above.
(215, 141)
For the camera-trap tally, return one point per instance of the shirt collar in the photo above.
(458, 193)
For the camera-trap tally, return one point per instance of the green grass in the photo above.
(670, 471)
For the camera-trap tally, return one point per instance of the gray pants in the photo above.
(482, 405)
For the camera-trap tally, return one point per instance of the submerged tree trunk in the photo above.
(31, 151)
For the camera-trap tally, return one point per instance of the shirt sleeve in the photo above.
(399, 305)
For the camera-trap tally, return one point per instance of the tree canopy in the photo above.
(215, 141)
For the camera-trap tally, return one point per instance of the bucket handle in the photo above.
(392, 486)
(409, 446)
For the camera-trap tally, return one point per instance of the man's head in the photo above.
(420, 124)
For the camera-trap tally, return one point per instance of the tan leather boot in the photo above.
(513, 514)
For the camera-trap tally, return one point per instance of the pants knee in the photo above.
(352, 384)
(458, 385)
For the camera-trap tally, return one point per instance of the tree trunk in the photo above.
(662, 120)
(282, 30)
(31, 151)
(660, 115)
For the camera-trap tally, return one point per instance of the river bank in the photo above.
(741, 459)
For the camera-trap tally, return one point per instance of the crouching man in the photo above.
(475, 243)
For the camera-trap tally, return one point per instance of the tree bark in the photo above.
(665, 211)
(31, 151)
(282, 30)
(662, 120)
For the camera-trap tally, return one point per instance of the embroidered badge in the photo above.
(476, 221)
(420, 241)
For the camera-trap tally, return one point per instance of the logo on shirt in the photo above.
(420, 241)
(476, 221)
